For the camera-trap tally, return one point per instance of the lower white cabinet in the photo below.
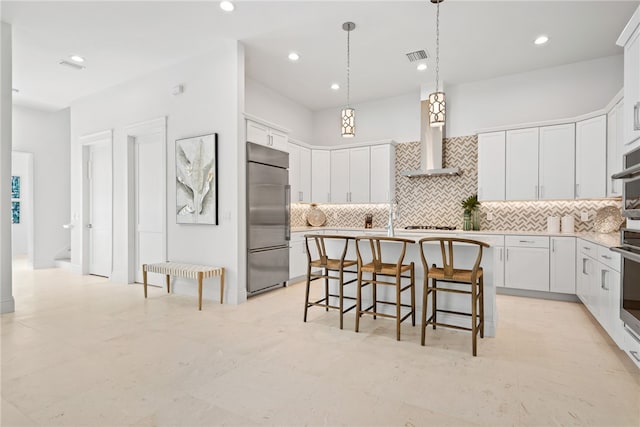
(631, 345)
(562, 261)
(297, 256)
(527, 263)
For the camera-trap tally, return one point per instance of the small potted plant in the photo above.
(471, 218)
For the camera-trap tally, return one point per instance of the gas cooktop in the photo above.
(429, 227)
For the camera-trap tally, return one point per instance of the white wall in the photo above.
(209, 104)
(20, 233)
(546, 94)
(396, 118)
(46, 135)
(265, 103)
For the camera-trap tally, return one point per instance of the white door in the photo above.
(99, 224)
(491, 166)
(305, 174)
(562, 265)
(294, 172)
(614, 149)
(557, 158)
(631, 88)
(518, 272)
(359, 170)
(381, 179)
(340, 176)
(150, 182)
(591, 154)
(320, 176)
(522, 164)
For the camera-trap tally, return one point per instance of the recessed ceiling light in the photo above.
(77, 58)
(422, 66)
(541, 40)
(227, 6)
(294, 56)
(335, 86)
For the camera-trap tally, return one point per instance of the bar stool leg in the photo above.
(374, 294)
(306, 297)
(144, 279)
(413, 295)
(359, 299)
(481, 284)
(168, 283)
(434, 304)
(341, 285)
(398, 301)
(474, 305)
(326, 289)
(425, 289)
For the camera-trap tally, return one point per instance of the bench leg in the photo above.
(199, 290)
(222, 286)
(168, 283)
(144, 279)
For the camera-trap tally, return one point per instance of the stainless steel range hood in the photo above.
(430, 149)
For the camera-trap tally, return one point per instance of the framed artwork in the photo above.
(15, 212)
(15, 187)
(197, 180)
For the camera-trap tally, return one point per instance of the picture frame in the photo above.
(15, 187)
(197, 180)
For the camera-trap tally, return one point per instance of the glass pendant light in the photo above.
(437, 98)
(348, 114)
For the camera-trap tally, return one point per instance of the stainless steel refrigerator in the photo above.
(268, 214)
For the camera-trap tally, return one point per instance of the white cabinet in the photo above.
(631, 345)
(562, 261)
(299, 173)
(527, 263)
(556, 165)
(522, 164)
(382, 173)
(491, 166)
(320, 176)
(615, 149)
(350, 170)
(264, 135)
(297, 256)
(591, 152)
(630, 39)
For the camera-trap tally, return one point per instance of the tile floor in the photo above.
(85, 352)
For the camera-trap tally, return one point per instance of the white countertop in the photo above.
(608, 240)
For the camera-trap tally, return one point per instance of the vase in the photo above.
(475, 219)
(466, 223)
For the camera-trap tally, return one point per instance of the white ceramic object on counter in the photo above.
(568, 224)
(553, 224)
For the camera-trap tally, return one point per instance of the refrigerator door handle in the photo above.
(287, 207)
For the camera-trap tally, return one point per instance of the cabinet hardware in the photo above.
(584, 266)
(636, 122)
(635, 355)
(500, 254)
(507, 254)
(631, 334)
(577, 190)
(603, 280)
(606, 257)
(586, 248)
(526, 241)
(542, 191)
(328, 197)
(553, 245)
(535, 194)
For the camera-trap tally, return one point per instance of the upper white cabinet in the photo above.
(630, 39)
(299, 173)
(491, 166)
(350, 169)
(522, 164)
(321, 176)
(591, 152)
(382, 173)
(615, 144)
(556, 163)
(264, 135)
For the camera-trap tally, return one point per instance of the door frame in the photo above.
(133, 131)
(86, 141)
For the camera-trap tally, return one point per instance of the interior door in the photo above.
(99, 176)
(150, 183)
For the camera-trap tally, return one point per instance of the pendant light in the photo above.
(348, 114)
(437, 98)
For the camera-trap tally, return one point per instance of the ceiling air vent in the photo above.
(71, 65)
(418, 55)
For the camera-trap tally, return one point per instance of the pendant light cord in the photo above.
(437, 43)
(348, 65)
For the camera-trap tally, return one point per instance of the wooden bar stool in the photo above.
(378, 267)
(449, 274)
(327, 267)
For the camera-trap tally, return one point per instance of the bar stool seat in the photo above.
(376, 267)
(330, 269)
(448, 274)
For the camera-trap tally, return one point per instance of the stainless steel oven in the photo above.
(631, 184)
(630, 280)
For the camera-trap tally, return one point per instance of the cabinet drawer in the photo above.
(632, 346)
(527, 241)
(588, 248)
(609, 258)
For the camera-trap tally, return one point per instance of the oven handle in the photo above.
(627, 254)
(627, 173)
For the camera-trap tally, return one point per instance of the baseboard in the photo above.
(536, 294)
(8, 305)
(76, 269)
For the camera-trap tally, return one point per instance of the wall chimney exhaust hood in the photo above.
(430, 149)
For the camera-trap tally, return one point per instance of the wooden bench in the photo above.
(189, 271)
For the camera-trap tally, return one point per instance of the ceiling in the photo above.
(478, 40)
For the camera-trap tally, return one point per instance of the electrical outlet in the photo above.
(584, 216)
(489, 216)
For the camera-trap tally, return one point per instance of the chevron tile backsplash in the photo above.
(436, 200)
